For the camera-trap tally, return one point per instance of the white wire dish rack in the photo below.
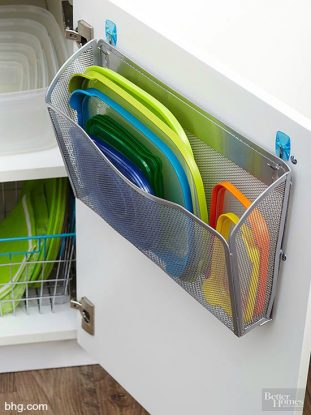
(33, 280)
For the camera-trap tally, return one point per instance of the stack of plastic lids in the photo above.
(124, 120)
(41, 210)
(32, 48)
(116, 112)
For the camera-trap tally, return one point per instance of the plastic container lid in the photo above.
(108, 130)
(24, 52)
(176, 186)
(44, 17)
(40, 32)
(20, 221)
(92, 78)
(259, 229)
(56, 193)
(148, 100)
(124, 165)
(23, 38)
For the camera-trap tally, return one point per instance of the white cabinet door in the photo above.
(160, 344)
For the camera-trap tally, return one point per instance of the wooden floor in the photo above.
(84, 390)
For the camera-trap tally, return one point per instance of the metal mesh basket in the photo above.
(54, 276)
(234, 280)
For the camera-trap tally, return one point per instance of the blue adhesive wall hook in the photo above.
(111, 32)
(282, 145)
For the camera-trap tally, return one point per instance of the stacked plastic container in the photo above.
(32, 48)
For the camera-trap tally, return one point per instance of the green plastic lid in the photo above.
(105, 128)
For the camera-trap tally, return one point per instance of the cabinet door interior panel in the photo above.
(162, 346)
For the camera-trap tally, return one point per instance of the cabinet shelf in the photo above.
(31, 166)
(37, 327)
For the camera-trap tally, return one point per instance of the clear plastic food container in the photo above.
(32, 48)
(24, 123)
(23, 38)
(21, 53)
(41, 16)
(39, 31)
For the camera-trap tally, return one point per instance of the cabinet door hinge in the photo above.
(87, 310)
(83, 33)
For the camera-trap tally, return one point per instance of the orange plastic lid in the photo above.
(259, 228)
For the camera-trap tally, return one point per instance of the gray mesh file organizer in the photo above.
(234, 280)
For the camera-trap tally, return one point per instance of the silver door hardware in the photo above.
(87, 310)
(83, 33)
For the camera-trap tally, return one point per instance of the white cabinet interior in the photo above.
(35, 323)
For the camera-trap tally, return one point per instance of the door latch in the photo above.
(87, 311)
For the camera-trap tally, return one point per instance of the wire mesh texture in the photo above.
(235, 279)
(54, 276)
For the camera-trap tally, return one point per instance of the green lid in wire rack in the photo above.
(40, 211)
(36, 191)
(56, 222)
(56, 192)
(15, 251)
